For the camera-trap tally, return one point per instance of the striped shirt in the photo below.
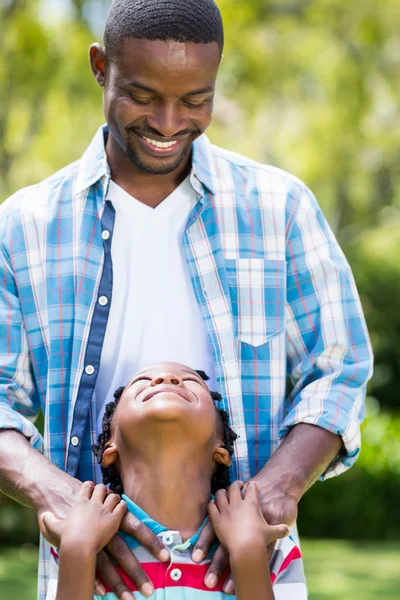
(182, 579)
(275, 292)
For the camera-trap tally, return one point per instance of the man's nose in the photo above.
(167, 119)
(167, 378)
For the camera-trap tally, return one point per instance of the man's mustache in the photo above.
(149, 131)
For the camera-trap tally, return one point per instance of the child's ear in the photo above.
(222, 457)
(110, 455)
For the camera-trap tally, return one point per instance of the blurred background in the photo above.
(311, 86)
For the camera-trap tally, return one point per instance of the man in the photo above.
(156, 246)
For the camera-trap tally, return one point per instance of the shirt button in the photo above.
(103, 300)
(167, 539)
(75, 441)
(176, 574)
(89, 370)
(105, 235)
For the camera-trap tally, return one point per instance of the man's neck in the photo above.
(174, 493)
(146, 187)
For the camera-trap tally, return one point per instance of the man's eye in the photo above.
(192, 104)
(141, 102)
(192, 379)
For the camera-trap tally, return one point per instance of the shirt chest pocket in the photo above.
(258, 291)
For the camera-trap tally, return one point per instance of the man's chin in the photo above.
(155, 166)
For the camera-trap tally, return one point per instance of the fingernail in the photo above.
(164, 555)
(229, 587)
(147, 590)
(198, 556)
(211, 581)
(101, 590)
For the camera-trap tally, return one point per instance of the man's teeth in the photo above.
(159, 144)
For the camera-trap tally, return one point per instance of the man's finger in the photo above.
(217, 567)
(108, 573)
(204, 543)
(99, 589)
(229, 585)
(132, 526)
(129, 563)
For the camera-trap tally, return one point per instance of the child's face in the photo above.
(162, 394)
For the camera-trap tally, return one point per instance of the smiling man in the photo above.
(158, 246)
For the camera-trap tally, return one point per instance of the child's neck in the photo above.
(173, 490)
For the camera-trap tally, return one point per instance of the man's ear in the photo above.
(97, 57)
(110, 455)
(222, 457)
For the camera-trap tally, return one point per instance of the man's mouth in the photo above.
(158, 147)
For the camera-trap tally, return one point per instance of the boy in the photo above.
(166, 448)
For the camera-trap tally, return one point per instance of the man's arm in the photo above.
(31, 479)
(330, 362)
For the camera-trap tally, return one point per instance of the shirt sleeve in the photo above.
(328, 349)
(19, 401)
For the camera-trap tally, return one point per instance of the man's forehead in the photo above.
(148, 56)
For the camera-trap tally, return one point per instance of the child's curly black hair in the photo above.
(220, 478)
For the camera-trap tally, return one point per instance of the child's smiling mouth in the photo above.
(166, 389)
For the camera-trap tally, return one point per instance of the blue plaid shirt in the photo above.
(274, 289)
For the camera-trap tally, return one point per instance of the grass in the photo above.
(336, 570)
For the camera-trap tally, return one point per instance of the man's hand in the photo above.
(277, 507)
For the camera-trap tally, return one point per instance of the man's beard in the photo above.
(153, 169)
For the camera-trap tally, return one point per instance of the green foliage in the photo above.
(361, 503)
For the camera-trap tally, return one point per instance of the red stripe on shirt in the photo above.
(192, 576)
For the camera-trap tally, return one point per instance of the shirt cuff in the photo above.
(11, 420)
(346, 425)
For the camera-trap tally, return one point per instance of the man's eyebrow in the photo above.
(145, 88)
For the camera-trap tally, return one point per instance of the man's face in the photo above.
(159, 98)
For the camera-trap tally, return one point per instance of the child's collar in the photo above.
(153, 525)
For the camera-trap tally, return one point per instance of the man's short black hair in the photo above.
(220, 478)
(197, 21)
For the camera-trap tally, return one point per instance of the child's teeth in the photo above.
(159, 144)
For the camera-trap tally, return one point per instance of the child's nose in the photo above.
(168, 379)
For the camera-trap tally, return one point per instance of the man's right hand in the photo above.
(116, 550)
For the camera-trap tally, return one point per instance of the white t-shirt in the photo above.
(154, 315)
